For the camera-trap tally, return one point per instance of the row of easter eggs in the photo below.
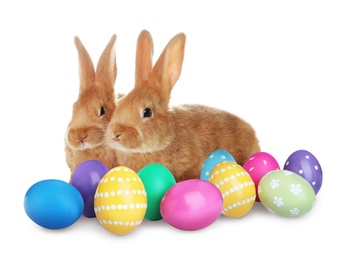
(290, 191)
(120, 198)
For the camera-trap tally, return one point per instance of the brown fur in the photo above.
(85, 135)
(180, 138)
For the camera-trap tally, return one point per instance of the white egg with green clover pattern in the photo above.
(286, 193)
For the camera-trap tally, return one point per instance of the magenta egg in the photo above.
(257, 165)
(191, 204)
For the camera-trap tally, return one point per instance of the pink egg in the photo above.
(191, 204)
(257, 165)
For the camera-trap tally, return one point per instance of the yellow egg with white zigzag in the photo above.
(120, 200)
(236, 186)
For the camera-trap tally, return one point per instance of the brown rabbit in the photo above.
(92, 111)
(144, 129)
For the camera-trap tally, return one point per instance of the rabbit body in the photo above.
(144, 129)
(193, 138)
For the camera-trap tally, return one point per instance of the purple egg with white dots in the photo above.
(307, 166)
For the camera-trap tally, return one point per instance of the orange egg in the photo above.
(120, 200)
(236, 186)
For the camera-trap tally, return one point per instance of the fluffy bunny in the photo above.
(144, 129)
(92, 111)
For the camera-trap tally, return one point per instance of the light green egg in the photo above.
(286, 193)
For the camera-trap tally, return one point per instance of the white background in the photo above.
(283, 66)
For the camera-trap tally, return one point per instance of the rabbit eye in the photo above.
(102, 111)
(147, 112)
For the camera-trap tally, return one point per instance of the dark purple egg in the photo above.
(307, 166)
(86, 178)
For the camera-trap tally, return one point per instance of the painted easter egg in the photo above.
(258, 164)
(213, 159)
(86, 178)
(236, 186)
(157, 180)
(191, 204)
(120, 201)
(53, 204)
(307, 166)
(286, 193)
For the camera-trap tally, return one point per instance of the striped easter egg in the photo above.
(236, 186)
(120, 200)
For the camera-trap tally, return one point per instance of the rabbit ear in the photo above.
(86, 67)
(168, 67)
(144, 55)
(106, 69)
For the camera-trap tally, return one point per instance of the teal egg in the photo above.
(286, 193)
(157, 180)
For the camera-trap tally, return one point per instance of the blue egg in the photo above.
(212, 160)
(53, 204)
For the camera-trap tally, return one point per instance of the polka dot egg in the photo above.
(305, 164)
(213, 159)
(236, 186)
(286, 193)
(258, 164)
(120, 200)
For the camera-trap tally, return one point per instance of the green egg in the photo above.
(157, 180)
(286, 193)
